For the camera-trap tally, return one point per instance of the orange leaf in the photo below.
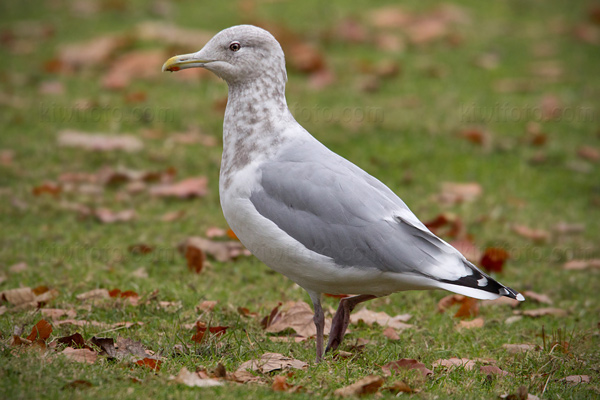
(50, 188)
(493, 259)
(195, 258)
(41, 330)
(149, 363)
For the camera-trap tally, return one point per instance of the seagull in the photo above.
(307, 212)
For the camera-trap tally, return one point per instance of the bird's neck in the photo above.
(254, 119)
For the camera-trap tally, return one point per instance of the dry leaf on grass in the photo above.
(41, 330)
(575, 379)
(280, 384)
(454, 193)
(271, 362)
(519, 348)
(476, 323)
(201, 330)
(406, 363)
(18, 296)
(391, 333)
(95, 294)
(493, 259)
(106, 345)
(575, 265)
(367, 385)
(381, 318)
(150, 363)
(501, 301)
(469, 307)
(75, 340)
(184, 189)
(135, 65)
(298, 316)
(537, 297)
(589, 153)
(207, 305)
(80, 355)
(540, 312)
(99, 142)
(107, 216)
(172, 216)
(90, 53)
(222, 251)
(465, 363)
(172, 35)
(18, 267)
(57, 313)
(537, 235)
(128, 347)
(493, 370)
(192, 379)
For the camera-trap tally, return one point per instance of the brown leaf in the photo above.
(280, 384)
(57, 313)
(107, 216)
(41, 330)
(195, 258)
(519, 348)
(589, 153)
(455, 193)
(140, 248)
(269, 319)
(493, 259)
(381, 318)
(447, 224)
(540, 312)
(367, 385)
(173, 216)
(551, 107)
(201, 330)
(468, 249)
(149, 363)
(245, 312)
(350, 30)
(91, 53)
(540, 298)
(128, 347)
(501, 301)
(389, 17)
(298, 317)
(493, 370)
(466, 363)
(476, 323)
(575, 265)
(220, 250)
(391, 333)
(99, 142)
(537, 235)
(95, 294)
(171, 35)
(50, 188)
(75, 340)
(469, 307)
(18, 296)
(106, 345)
(476, 136)
(78, 384)
(271, 362)
(185, 189)
(576, 379)
(400, 387)
(406, 363)
(207, 305)
(135, 65)
(192, 379)
(80, 355)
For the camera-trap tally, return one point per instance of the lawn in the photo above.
(482, 116)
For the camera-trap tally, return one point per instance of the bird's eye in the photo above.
(235, 46)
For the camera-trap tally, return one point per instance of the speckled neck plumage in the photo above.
(254, 111)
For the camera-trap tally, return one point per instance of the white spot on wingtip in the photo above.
(482, 282)
(520, 297)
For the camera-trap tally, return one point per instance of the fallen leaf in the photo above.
(171, 35)
(565, 228)
(78, 384)
(195, 258)
(501, 301)
(185, 189)
(493, 259)
(192, 379)
(400, 387)
(537, 235)
(389, 17)
(576, 379)
(95, 294)
(222, 251)
(551, 107)
(90, 53)
(381, 318)
(465, 363)
(280, 384)
(367, 385)
(406, 363)
(201, 330)
(173, 216)
(350, 30)
(493, 370)
(140, 248)
(468, 249)
(269, 319)
(582, 264)
(128, 347)
(106, 345)
(99, 142)
(476, 323)
(75, 340)
(540, 312)
(80, 355)
(135, 65)
(271, 362)
(455, 193)
(447, 224)
(107, 216)
(298, 317)
(391, 333)
(207, 305)
(57, 313)
(519, 348)
(151, 363)
(540, 298)
(469, 307)
(589, 153)
(41, 330)
(18, 296)
(50, 188)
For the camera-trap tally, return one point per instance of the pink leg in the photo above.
(342, 319)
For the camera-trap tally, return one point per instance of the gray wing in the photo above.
(338, 210)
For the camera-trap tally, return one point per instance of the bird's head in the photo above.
(238, 54)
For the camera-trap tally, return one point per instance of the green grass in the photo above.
(414, 133)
